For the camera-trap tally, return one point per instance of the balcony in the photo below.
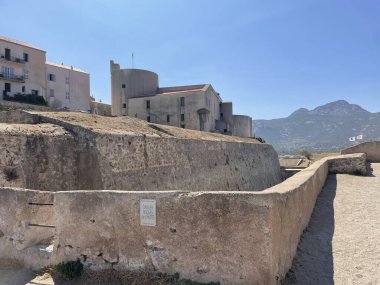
(12, 77)
(11, 59)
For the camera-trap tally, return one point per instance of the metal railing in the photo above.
(11, 76)
(12, 58)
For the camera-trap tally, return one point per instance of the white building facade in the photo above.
(25, 71)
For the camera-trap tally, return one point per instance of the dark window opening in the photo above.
(148, 104)
(182, 101)
(35, 92)
(26, 57)
(124, 105)
(51, 77)
(182, 126)
(168, 118)
(225, 130)
(182, 117)
(123, 86)
(7, 87)
(7, 54)
(148, 119)
(23, 88)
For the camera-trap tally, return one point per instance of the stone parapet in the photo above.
(371, 149)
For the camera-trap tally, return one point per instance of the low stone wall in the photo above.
(371, 149)
(231, 237)
(24, 217)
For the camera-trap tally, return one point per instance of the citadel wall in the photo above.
(235, 237)
(92, 158)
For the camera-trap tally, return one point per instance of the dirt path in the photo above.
(342, 242)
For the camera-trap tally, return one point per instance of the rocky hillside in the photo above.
(326, 128)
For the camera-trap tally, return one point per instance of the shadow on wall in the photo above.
(313, 263)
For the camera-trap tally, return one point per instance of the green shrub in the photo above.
(70, 269)
(26, 98)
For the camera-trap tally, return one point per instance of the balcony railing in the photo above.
(11, 58)
(12, 77)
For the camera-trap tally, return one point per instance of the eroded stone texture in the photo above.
(204, 236)
(23, 215)
(36, 157)
(91, 152)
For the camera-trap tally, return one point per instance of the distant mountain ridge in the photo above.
(325, 128)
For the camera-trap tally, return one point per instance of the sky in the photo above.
(268, 57)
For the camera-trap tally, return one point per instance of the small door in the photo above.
(7, 87)
(7, 54)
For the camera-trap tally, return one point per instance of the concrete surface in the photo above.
(341, 244)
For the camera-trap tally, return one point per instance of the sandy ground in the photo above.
(341, 244)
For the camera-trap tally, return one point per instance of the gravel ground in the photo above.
(341, 244)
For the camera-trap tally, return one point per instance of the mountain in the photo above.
(325, 128)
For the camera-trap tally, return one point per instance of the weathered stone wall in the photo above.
(36, 157)
(349, 163)
(232, 237)
(204, 236)
(87, 159)
(371, 149)
(24, 215)
(148, 163)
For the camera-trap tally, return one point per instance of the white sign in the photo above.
(148, 212)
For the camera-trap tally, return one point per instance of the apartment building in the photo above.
(24, 70)
(136, 93)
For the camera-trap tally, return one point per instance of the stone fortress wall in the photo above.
(91, 155)
(235, 237)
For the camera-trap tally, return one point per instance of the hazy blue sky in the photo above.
(268, 57)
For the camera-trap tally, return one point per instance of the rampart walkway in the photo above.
(341, 244)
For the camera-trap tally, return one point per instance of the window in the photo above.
(35, 92)
(51, 77)
(26, 73)
(7, 72)
(182, 117)
(148, 119)
(7, 54)
(225, 130)
(148, 104)
(67, 80)
(182, 126)
(124, 105)
(67, 95)
(182, 101)
(51, 94)
(26, 57)
(221, 115)
(23, 89)
(168, 118)
(7, 87)
(123, 86)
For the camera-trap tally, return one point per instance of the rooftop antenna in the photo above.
(133, 60)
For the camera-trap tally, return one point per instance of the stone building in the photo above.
(100, 108)
(24, 70)
(136, 93)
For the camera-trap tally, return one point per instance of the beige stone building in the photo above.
(136, 93)
(24, 70)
